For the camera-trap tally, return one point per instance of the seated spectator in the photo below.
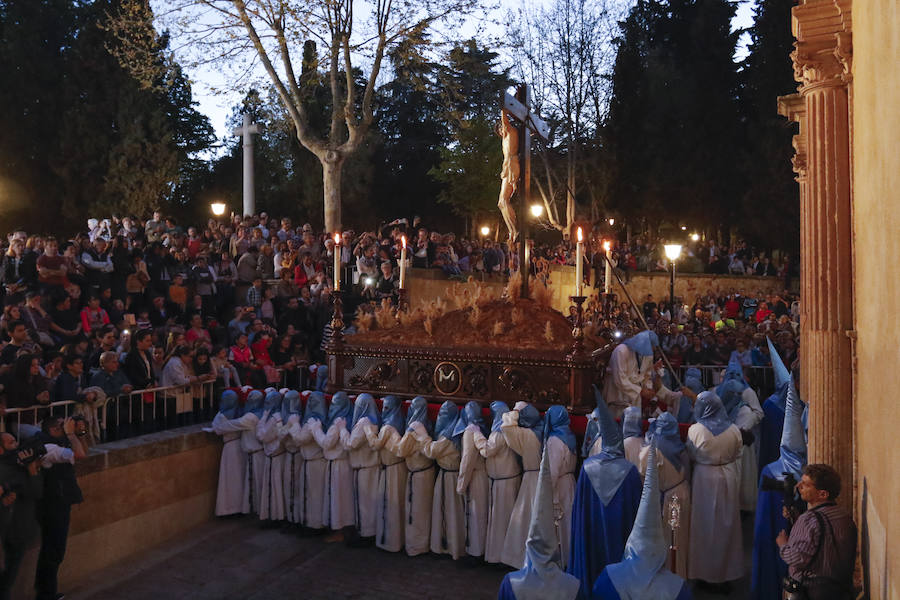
(37, 320)
(92, 316)
(25, 385)
(105, 339)
(197, 335)
(19, 340)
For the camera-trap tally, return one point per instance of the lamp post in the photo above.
(537, 210)
(673, 251)
(485, 230)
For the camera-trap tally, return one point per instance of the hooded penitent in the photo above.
(392, 413)
(642, 573)
(290, 404)
(793, 439)
(228, 405)
(272, 403)
(530, 418)
(710, 413)
(254, 403)
(607, 469)
(446, 420)
(498, 409)
(470, 415)
(731, 390)
(315, 408)
(418, 413)
(668, 439)
(631, 422)
(592, 429)
(321, 378)
(693, 380)
(643, 343)
(556, 424)
(365, 408)
(341, 408)
(782, 375)
(542, 578)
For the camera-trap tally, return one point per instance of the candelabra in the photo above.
(577, 351)
(337, 319)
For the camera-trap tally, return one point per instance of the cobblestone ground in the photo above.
(236, 560)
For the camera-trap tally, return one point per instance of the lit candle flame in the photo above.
(580, 236)
(606, 246)
(337, 239)
(403, 238)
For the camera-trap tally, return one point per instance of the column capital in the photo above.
(793, 108)
(823, 52)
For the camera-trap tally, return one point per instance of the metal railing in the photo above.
(762, 379)
(126, 415)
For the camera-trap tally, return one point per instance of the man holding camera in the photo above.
(21, 489)
(821, 548)
(61, 491)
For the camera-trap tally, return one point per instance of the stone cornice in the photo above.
(793, 107)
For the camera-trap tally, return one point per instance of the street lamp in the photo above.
(218, 208)
(695, 237)
(673, 251)
(612, 221)
(684, 227)
(485, 230)
(537, 210)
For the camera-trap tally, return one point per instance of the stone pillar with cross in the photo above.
(518, 108)
(246, 131)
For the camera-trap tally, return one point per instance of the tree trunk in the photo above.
(332, 163)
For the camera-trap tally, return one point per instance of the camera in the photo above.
(29, 451)
(790, 499)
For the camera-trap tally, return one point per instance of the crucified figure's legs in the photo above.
(509, 174)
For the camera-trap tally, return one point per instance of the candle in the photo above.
(579, 263)
(403, 264)
(607, 283)
(337, 262)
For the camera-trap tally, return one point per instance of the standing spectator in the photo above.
(204, 279)
(255, 293)
(51, 267)
(22, 487)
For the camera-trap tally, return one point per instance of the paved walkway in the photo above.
(234, 559)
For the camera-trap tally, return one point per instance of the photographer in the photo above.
(821, 548)
(21, 488)
(61, 491)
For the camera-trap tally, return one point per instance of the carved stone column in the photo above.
(821, 65)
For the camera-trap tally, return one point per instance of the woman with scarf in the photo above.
(390, 503)
(472, 483)
(310, 497)
(523, 430)
(559, 443)
(448, 528)
(674, 469)
(716, 554)
(504, 476)
(268, 430)
(420, 477)
(256, 458)
(230, 424)
(337, 509)
(293, 461)
(364, 463)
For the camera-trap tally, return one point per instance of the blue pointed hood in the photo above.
(592, 429)
(782, 375)
(631, 422)
(498, 409)
(470, 415)
(693, 379)
(731, 393)
(542, 577)
(418, 413)
(643, 343)
(668, 439)
(642, 573)
(315, 408)
(365, 407)
(793, 439)
(607, 470)
(290, 404)
(446, 420)
(341, 407)
(556, 424)
(530, 418)
(321, 377)
(228, 405)
(272, 403)
(710, 413)
(254, 403)
(392, 413)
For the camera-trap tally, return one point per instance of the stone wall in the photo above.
(427, 284)
(876, 225)
(137, 493)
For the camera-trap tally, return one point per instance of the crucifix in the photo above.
(516, 126)
(247, 131)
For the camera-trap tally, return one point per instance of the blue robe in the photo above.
(506, 591)
(770, 431)
(768, 568)
(605, 590)
(599, 532)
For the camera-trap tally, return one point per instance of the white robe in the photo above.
(268, 430)
(419, 489)
(232, 465)
(448, 513)
(293, 468)
(748, 419)
(256, 461)
(337, 508)
(364, 465)
(504, 475)
(310, 499)
(625, 379)
(562, 474)
(391, 503)
(473, 486)
(716, 551)
(673, 482)
(524, 443)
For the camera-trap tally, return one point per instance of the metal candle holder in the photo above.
(337, 319)
(577, 351)
(673, 510)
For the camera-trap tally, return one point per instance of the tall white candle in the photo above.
(337, 262)
(607, 282)
(579, 263)
(403, 264)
